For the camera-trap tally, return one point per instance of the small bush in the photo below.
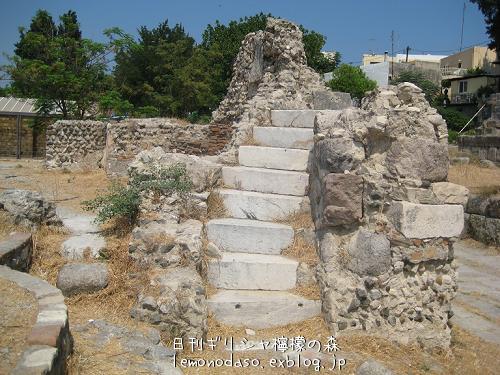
(124, 201)
(351, 79)
(455, 120)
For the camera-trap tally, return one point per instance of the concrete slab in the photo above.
(293, 118)
(284, 137)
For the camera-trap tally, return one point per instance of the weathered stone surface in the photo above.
(262, 309)
(342, 198)
(28, 207)
(293, 118)
(79, 278)
(16, 251)
(369, 253)
(484, 229)
(203, 173)
(74, 248)
(75, 144)
(249, 236)
(488, 206)
(419, 159)
(274, 158)
(326, 99)
(427, 221)
(260, 206)
(448, 193)
(338, 154)
(266, 180)
(167, 244)
(372, 368)
(154, 356)
(283, 137)
(253, 271)
(180, 309)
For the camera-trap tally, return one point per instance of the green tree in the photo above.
(430, 89)
(164, 70)
(59, 68)
(491, 16)
(351, 79)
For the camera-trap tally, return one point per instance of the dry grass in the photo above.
(64, 187)
(477, 179)
(7, 225)
(216, 208)
(47, 258)
(302, 250)
(310, 291)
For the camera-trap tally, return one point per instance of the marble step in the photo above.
(249, 236)
(274, 158)
(261, 309)
(284, 137)
(252, 271)
(264, 180)
(261, 206)
(302, 118)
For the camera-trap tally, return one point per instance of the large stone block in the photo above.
(260, 206)
(327, 99)
(427, 221)
(283, 137)
(249, 236)
(264, 180)
(448, 193)
(253, 271)
(342, 194)
(82, 278)
(370, 253)
(338, 154)
(419, 159)
(272, 157)
(261, 309)
(16, 251)
(293, 118)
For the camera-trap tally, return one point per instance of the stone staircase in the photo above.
(269, 184)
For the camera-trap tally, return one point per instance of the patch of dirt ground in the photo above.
(18, 312)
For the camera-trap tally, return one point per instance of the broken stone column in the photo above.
(385, 218)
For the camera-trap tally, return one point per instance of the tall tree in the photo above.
(490, 9)
(163, 70)
(55, 65)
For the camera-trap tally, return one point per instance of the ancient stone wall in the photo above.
(127, 138)
(94, 144)
(72, 143)
(386, 218)
(482, 219)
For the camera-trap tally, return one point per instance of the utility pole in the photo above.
(407, 50)
(392, 54)
(462, 34)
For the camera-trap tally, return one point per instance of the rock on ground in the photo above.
(29, 208)
(82, 278)
(372, 368)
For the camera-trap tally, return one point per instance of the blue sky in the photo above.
(352, 27)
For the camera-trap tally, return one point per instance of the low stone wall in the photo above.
(49, 342)
(486, 147)
(16, 251)
(483, 219)
(126, 139)
(72, 143)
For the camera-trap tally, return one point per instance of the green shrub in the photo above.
(351, 79)
(124, 201)
(455, 120)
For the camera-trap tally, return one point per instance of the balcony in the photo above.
(452, 72)
(464, 98)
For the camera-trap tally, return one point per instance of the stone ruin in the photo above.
(386, 218)
(373, 179)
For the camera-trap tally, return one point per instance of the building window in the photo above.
(462, 87)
